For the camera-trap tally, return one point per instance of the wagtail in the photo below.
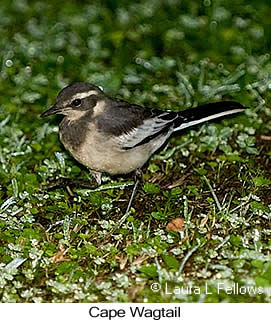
(113, 136)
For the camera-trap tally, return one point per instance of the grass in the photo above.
(172, 55)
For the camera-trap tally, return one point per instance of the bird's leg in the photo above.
(138, 176)
(97, 176)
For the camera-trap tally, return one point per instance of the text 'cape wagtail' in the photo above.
(111, 135)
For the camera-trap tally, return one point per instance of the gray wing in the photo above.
(143, 133)
(132, 125)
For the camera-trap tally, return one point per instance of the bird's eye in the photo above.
(76, 102)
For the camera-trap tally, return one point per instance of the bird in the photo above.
(110, 135)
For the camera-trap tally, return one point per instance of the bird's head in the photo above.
(75, 100)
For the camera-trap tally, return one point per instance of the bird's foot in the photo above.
(97, 176)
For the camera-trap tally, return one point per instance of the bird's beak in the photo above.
(53, 110)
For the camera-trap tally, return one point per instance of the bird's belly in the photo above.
(109, 161)
(106, 157)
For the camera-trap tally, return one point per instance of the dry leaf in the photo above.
(133, 291)
(179, 182)
(122, 259)
(204, 221)
(60, 255)
(139, 260)
(175, 225)
(263, 137)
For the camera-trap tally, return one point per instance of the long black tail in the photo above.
(206, 112)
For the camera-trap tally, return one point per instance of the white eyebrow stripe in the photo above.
(80, 96)
(84, 94)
